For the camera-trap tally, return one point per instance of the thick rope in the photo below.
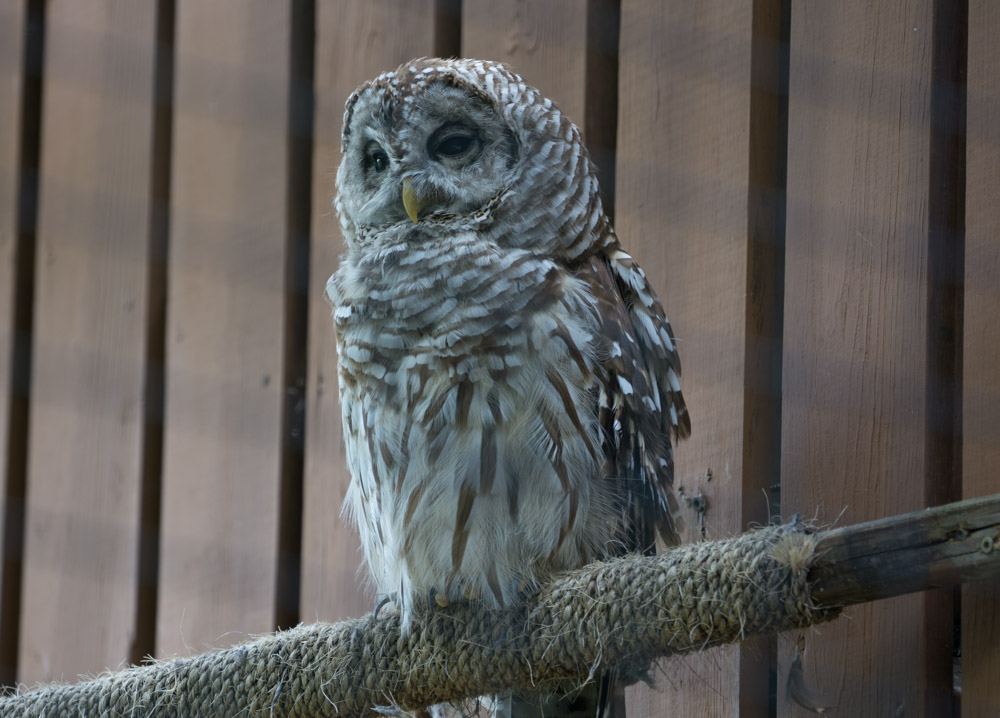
(623, 614)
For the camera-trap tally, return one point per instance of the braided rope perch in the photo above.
(622, 613)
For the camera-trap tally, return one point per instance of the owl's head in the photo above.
(457, 143)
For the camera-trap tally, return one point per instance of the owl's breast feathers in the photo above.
(468, 389)
(505, 414)
(463, 302)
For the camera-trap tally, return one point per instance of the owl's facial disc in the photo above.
(446, 152)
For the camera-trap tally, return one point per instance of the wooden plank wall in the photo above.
(858, 338)
(182, 458)
(225, 324)
(981, 378)
(684, 173)
(11, 57)
(12, 31)
(89, 338)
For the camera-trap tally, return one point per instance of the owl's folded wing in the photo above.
(640, 404)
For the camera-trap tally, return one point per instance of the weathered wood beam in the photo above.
(933, 548)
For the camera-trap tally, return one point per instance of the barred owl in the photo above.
(508, 380)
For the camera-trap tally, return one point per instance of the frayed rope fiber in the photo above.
(622, 613)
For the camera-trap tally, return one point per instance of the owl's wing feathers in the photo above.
(640, 405)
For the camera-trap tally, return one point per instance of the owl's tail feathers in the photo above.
(604, 698)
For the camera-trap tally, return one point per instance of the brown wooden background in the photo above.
(171, 469)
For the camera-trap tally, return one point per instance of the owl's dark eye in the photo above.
(378, 160)
(453, 145)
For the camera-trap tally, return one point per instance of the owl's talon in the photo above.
(380, 602)
(436, 599)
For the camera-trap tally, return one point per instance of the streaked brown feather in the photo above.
(639, 446)
(466, 498)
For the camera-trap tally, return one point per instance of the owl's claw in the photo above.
(436, 599)
(380, 602)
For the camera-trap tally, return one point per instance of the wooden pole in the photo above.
(934, 548)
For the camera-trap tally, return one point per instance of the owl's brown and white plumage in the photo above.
(508, 379)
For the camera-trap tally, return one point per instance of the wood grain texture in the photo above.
(856, 346)
(84, 461)
(389, 32)
(929, 548)
(11, 52)
(12, 20)
(683, 169)
(12, 17)
(565, 48)
(981, 373)
(546, 43)
(225, 324)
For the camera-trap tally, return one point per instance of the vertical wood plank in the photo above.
(981, 376)
(546, 43)
(856, 360)
(225, 324)
(565, 48)
(390, 33)
(12, 28)
(12, 18)
(685, 167)
(84, 463)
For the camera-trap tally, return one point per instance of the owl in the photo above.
(508, 379)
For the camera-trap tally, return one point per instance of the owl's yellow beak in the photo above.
(412, 202)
